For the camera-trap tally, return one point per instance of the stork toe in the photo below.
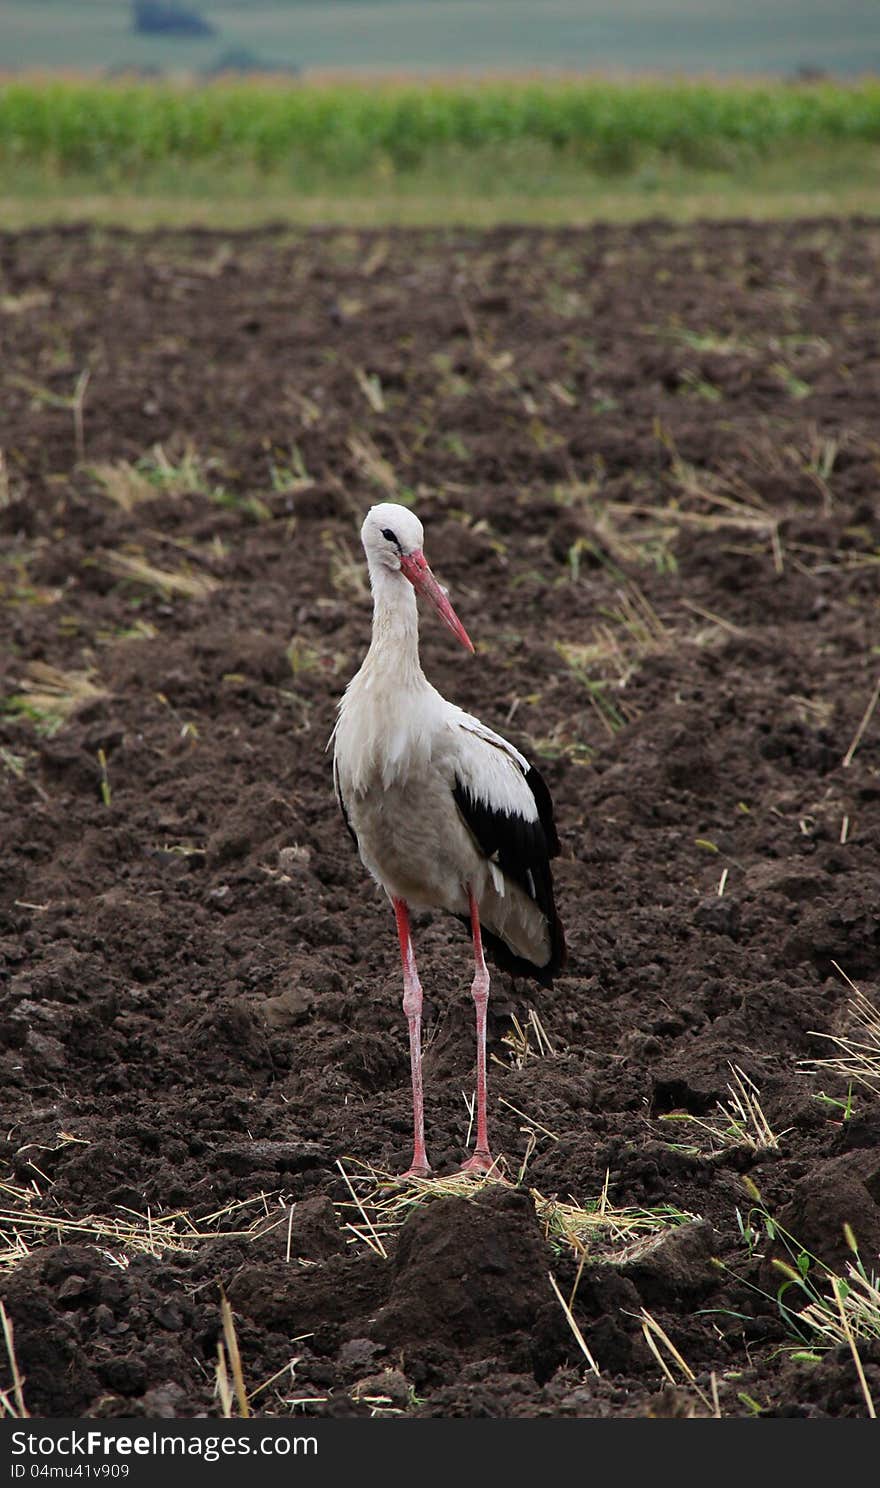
(480, 1162)
(418, 1170)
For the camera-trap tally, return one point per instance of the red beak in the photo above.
(415, 568)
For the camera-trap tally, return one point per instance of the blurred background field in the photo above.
(232, 154)
(432, 111)
(677, 36)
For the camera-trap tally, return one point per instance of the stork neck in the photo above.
(395, 623)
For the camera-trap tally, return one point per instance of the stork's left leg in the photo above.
(481, 1160)
(412, 1006)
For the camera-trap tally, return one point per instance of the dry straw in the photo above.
(11, 1404)
(180, 582)
(858, 1057)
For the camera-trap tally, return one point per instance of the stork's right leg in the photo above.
(412, 1007)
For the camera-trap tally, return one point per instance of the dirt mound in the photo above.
(467, 1270)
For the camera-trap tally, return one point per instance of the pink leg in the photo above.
(481, 1160)
(412, 1007)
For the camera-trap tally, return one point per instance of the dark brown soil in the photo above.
(200, 995)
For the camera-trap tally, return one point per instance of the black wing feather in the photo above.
(538, 787)
(522, 849)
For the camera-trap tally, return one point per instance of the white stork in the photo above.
(445, 813)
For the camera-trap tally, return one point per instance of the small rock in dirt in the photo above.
(314, 1231)
(258, 1157)
(126, 1376)
(797, 881)
(164, 1401)
(48, 1051)
(358, 1353)
(720, 915)
(294, 860)
(635, 1044)
(291, 1007)
(74, 1289)
(314, 1371)
(103, 1319)
(389, 1387)
(672, 1402)
(169, 1317)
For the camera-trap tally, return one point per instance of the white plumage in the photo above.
(446, 813)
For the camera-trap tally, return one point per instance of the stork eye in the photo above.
(387, 533)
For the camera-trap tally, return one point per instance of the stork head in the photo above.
(392, 537)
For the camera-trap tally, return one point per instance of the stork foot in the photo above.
(479, 1162)
(418, 1170)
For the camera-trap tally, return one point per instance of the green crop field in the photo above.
(527, 150)
(349, 129)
